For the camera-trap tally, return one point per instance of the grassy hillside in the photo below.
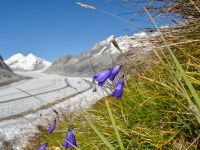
(160, 107)
(154, 112)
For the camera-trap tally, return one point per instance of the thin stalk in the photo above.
(101, 136)
(195, 6)
(114, 126)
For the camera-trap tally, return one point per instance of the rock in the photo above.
(6, 74)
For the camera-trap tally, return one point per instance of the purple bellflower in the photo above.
(102, 77)
(53, 127)
(114, 72)
(119, 89)
(70, 141)
(43, 147)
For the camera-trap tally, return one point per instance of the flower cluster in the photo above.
(101, 78)
(110, 74)
(70, 141)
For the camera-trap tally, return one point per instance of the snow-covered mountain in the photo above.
(101, 55)
(19, 62)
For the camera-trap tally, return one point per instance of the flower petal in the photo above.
(43, 147)
(70, 141)
(102, 76)
(119, 89)
(114, 72)
(53, 127)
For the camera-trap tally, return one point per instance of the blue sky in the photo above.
(53, 28)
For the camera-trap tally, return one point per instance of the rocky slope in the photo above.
(6, 74)
(19, 62)
(102, 55)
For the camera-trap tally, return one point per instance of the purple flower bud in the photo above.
(94, 88)
(43, 147)
(114, 72)
(102, 76)
(55, 111)
(119, 89)
(70, 141)
(53, 127)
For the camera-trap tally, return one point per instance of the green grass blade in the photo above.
(101, 136)
(187, 81)
(115, 126)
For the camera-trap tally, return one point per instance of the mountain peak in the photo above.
(27, 63)
(17, 56)
(30, 55)
(110, 38)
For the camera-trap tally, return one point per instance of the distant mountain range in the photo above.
(102, 55)
(19, 62)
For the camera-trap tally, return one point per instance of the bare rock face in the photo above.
(81, 65)
(103, 55)
(86, 64)
(6, 74)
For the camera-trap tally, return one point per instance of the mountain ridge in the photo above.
(102, 55)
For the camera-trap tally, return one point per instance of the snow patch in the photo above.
(141, 34)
